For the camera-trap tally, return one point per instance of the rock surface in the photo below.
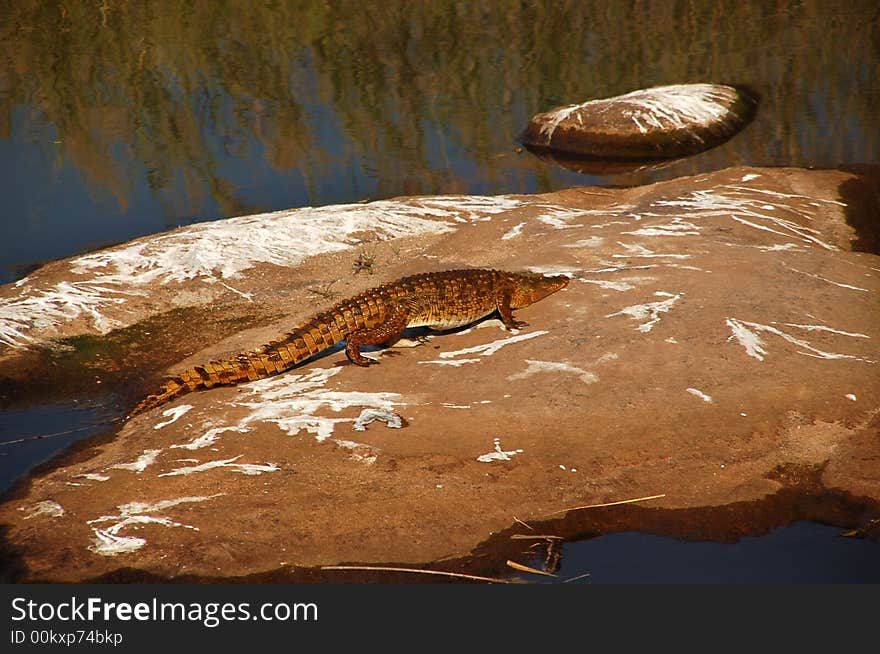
(656, 123)
(718, 329)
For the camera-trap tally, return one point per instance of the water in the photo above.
(120, 120)
(802, 552)
(31, 436)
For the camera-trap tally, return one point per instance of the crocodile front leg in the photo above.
(502, 301)
(386, 332)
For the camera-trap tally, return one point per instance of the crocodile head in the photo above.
(531, 287)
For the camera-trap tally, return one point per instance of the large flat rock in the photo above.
(717, 329)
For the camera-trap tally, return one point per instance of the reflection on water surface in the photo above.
(118, 120)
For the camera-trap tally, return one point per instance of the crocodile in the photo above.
(438, 300)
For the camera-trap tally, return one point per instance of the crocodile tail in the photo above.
(268, 360)
(172, 388)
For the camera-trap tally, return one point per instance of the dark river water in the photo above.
(119, 120)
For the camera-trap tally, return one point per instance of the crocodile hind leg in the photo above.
(388, 331)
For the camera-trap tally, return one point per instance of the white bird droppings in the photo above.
(650, 310)
(498, 454)
(108, 542)
(140, 464)
(243, 468)
(535, 367)
(700, 394)
(173, 414)
(391, 419)
(48, 508)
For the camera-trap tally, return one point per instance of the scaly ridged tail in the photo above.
(317, 335)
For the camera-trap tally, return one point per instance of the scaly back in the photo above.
(441, 300)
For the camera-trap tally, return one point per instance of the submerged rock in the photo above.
(718, 339)
(657, 123)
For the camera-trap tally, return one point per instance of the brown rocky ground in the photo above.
(717, 345)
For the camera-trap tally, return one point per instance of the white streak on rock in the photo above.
(498, 454)
(733, 202)
(635, 118)
(611, 223)
(821, 328)
(829, 281)
(684, 267)
(456, 363)
(615, 267)
(556, 222)
(535, 367)
(613, 286)
(608, 356)
(226, 248)
(483, 324)
(555, 118)
(650, 310)
(700, 394)
(675, 106)
(786, 196)
(749, 177)
(210, 437)
(360, 452)
(222, 250)
(292, 401)
(763, 228)
(782, 247)
(140, 464)
(679, 105)
(552, 269)
(750, 340)
(640, 251)
(243, 468)
(851, 396)
(592, 242)
(66, 301)
(560, 217)
(512, 232)
(94, 476)
(677, 228)
(489, 349)
(173, 414)
(391, 419)
(247, 296)
(48, 508)
(747, 335)
(472, 207)
(108, 542)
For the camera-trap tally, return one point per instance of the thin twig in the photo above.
(417, 570)
(535, 537)
(525, 568)
(596, 506)
(527, 526)
(586, 574)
